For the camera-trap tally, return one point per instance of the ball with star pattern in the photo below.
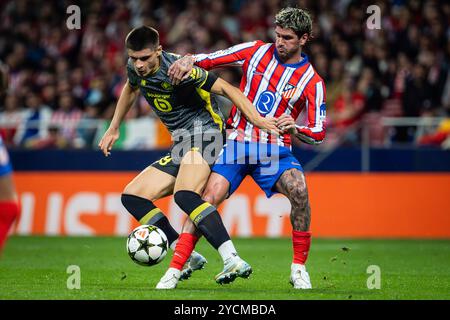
(147, 245)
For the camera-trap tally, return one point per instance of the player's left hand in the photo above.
(269, 124)
(286, 124)
(109, 138)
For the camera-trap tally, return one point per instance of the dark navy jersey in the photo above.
(183, 106)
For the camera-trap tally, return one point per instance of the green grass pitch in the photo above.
(36, 268)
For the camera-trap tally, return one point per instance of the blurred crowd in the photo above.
(70, 77)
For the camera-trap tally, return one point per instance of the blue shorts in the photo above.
(5, 165)
(264, 162)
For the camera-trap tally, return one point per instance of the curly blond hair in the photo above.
(296, 19)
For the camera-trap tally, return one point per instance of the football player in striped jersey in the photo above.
(281, 82)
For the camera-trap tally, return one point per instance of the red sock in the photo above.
(183, 249)
(301, 241)
(9, 211)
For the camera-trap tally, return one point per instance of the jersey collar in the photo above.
(304, 61)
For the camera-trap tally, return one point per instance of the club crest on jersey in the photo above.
(289, 90)
(265, 102)
(288, 86)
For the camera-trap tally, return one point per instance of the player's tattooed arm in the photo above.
(181, 69)
(293, 185)
(286, 124)
(126, 100)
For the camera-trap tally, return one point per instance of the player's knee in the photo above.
(140, 191)
(187, 200)
(130, 189)
(298, 194)
(215, 194)
(209, 196)
(130, 201)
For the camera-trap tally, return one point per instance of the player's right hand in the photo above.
(109, 138)
(269, 124)
(180, 69)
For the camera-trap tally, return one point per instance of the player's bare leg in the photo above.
(192, 177)
(138, 197)
(292, 184)
(216, 190)
(9, 207)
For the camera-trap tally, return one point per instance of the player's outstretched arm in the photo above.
(223, 88)
(233, 56)
(126, 100)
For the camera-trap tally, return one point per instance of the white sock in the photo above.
(297, 266)
(227, 250)
(174, 271)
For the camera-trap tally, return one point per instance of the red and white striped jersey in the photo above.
(275, 89)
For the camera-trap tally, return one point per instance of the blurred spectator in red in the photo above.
(349, 104)
(66, 117)
(438, 137)
(10, 119)
(54, 140)
(408, 57)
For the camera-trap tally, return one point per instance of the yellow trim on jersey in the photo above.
(199, 210)
(206, 96)
(149, 215)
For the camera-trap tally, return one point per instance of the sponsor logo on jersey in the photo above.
(265, 102)
(166, 86)
(323, 112)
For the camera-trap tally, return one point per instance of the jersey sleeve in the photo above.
(200, 78)
(314, 131)
(233, 56)
(133, 78)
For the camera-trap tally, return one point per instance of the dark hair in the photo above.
(142, 38)
(296, 19)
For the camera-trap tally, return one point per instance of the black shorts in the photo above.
(209, 146)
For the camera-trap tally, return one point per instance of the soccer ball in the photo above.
(147, 245)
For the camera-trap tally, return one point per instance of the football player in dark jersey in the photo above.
(192, 116)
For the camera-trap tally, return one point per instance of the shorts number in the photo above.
(162, 105)
(165, 160)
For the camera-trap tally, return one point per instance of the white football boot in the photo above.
(234, 267)
(169, 279)
(195, 262)
(300, 277)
